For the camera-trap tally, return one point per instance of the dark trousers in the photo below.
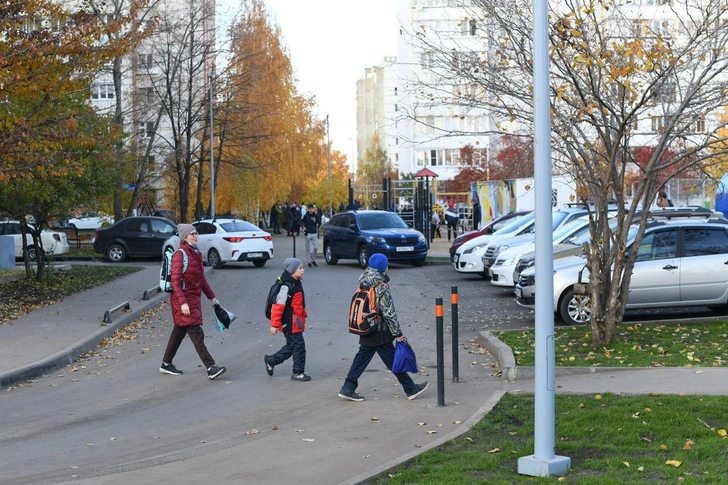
(296, 347)
(197, 335)
(453, 226)
(276, 227)
(362, 359)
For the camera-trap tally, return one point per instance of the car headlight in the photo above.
(473, 249)
(500, 249)
(422, 239)
(377, 240)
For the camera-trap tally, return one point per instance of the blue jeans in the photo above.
(296, 347)
(362, 359)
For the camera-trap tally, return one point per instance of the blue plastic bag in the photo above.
(404, 358)
(223, 317)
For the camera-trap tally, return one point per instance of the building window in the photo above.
(145, 60)
(473, 27)
(699, 123)
(145, 95)
(658, 123)
(146, 129)
(102, 91)
(396, 108)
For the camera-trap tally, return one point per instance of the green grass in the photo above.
(610, 439)
(701, 344)
(23, 296)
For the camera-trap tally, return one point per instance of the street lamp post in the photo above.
(328, 159)
(212, 155)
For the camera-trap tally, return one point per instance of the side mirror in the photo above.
(353, 226)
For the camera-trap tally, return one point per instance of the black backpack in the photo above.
(273, 295)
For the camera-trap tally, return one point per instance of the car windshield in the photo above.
(585, 237)
(515, 225)
(238, 226)
(381, 220)
(567, 229)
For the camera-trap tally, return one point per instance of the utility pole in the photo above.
(328, 158)
(212, 155)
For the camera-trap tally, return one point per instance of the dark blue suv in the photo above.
(359, 234)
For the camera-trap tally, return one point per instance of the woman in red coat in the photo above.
(188, 284)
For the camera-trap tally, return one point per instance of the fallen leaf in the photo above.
(459, 421)
(299, 431)
(646, 439)
(674, 463)
(431, 432)
(275, 428)
(662, 447)
(308, 440)
(689, 445)
(641, 469)
(626, 463)
(253, 431)
(494, 450)
(469, 439)
(421, 424)
(722, 432)
(367, 456)
(598, 397)
(375, 419)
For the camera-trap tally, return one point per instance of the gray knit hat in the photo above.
(184, 230)
(292, 264)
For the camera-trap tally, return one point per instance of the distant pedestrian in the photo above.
(434, 226)
(662, 200)
(295, 219)
(451, 218)
(311, 224)
(274, 222)
(380, 341)
(188, 284)
(286, 214)
(288, 316)
(342, 207)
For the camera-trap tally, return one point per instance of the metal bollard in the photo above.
(455, 360)
(440, 353)
(148, 293)
(107, 315)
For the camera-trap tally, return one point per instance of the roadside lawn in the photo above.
(694, 344)
(25, 295)
(610, 439)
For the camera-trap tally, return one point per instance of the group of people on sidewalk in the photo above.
(288, 316)
(307, 219)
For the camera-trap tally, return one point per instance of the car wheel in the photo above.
(31, 253)
(574, 308)
(259, 263)
(329, 255)
(418, 262)
(213, 259)
(363, 256)
(116, 253)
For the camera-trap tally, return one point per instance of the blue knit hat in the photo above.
(379, 262)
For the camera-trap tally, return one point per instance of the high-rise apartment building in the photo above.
(376, 110)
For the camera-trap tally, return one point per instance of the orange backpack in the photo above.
(363, 314)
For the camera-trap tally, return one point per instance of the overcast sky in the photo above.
(331, 42)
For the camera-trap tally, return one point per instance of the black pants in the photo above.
(197, 335)
(296, 347)
(453, 226)
(362, 359)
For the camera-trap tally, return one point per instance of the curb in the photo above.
(461, 430)
(504, 354)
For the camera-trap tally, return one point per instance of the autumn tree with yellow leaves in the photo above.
(621, 76)
(53, 147)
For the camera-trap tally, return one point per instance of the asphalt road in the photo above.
(114, 419)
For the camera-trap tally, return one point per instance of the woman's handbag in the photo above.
(404, 358)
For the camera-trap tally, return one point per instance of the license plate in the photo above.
(519, 293)
(255, 255)
(401, 249)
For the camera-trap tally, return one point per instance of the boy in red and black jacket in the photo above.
(288, 315)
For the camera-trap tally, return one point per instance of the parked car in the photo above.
(359, 234)
(134, 236)
(229, 240)
(681, 261)
(469, 257)
(501, 261)
(54, 243)
(90, 220)
(487, 229)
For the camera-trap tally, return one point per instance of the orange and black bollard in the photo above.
(455, 361)
(440, 353)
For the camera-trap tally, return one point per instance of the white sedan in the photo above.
(54, 243)
(92, 220)
(229, 240)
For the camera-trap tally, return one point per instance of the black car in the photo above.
(359, 234)
(134, 236)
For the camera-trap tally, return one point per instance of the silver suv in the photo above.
(681, 261)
